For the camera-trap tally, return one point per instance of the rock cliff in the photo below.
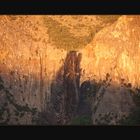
(44, 60)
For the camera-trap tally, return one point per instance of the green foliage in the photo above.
(4, 121)
(91, 92)
(136, 99)
(1, 87)
(62, 38)
(1, 83)
(134, 117)
(108, 18)
(82, 120)
(16, 113)
(19, 109)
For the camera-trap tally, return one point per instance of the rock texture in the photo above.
(114, 50)
(28, 62)
(65, 89)
(45, 59)
(111, 104)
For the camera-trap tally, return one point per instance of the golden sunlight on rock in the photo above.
(115, 50)
(63, 70)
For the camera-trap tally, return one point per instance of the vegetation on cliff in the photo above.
(65, 34)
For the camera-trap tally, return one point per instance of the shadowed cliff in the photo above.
(65, 88)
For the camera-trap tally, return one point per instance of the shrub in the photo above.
(134, 117)
(82, 120)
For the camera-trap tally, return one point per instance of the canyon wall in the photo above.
(33, 69)
(28, 63)
(115, 50)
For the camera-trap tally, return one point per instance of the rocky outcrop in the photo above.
(65, 88)
(72, 73)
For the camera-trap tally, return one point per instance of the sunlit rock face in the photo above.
(115, 50)
(30, 60)
(33, 50)
(28, 63)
